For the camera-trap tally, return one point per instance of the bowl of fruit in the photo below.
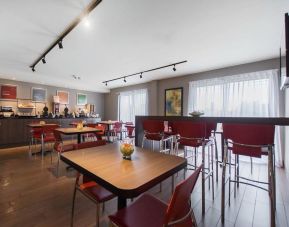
(126, 149)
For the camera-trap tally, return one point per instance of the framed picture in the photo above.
(8, 91)
(81, 99)
(174, 102)
(63, 97)
(38, 94)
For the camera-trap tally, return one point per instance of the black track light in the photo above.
(124, 80)
(105, 83)
(43, 60)
(33, 69)
(174, 68)
(140, 76)
(60, 44)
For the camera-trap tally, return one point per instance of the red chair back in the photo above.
(130, 130)
(117, 126)
(249, 134)
(189, 129)
(153, 129)
(58, 140)
(153, 126)
(210, 126)
(179, 205)
(36, 132)
(87, 145)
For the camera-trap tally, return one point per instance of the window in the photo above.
(245, 95)
(132, 103)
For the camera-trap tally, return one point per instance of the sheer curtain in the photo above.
(246, 95)
(132, 103)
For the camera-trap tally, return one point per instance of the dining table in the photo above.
(125, 178)
(77, 131)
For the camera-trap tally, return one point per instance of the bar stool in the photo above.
(195, 135)
(253, 141)
(154, 131)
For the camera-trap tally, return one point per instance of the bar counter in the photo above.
(14, 131)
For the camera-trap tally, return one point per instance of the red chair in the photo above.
(150, 211)
(116, 130)
(196, 135)
(59, 147)
(97, 135)
(89, 188)
(154, 131)
(253, 141)
(129, 131)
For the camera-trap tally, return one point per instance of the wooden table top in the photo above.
(37, 125)
(71, 131)
(127, 178)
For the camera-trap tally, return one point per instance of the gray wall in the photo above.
(24, 91)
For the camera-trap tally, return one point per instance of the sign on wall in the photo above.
(38, 94)
(8, 91)
(81, 99)
(63, 97)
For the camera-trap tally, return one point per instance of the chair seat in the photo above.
(156, 137)
(190, 142)
(97, 192)
(255, 152)
(49, 138)
(145, 211)
(63, 148)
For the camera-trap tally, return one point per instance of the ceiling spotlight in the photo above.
(43, 60)
(60, 44)
(124, 80)
(105, 83)
(33, 69)
(140, 76)
(174, 68)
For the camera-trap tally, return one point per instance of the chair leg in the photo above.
(58, 160)
(229, 157)
(97, 215)
(251, 160)
(224, 183)
(209, 167)
(203, 181)
(216, 159)
(173, 183)
(212, 163)
(143, 139)
(72, 211)
(235, 176)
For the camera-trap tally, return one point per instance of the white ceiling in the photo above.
(129, 36)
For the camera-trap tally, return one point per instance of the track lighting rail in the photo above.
(59, 40)
(145, 71)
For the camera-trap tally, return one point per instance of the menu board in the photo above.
(8, 91)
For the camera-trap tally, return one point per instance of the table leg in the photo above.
(78, 138)
(121, 202)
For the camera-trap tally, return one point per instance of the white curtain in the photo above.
(246, 95)
(132, 103)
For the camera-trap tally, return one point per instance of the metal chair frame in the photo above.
(271, 176)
